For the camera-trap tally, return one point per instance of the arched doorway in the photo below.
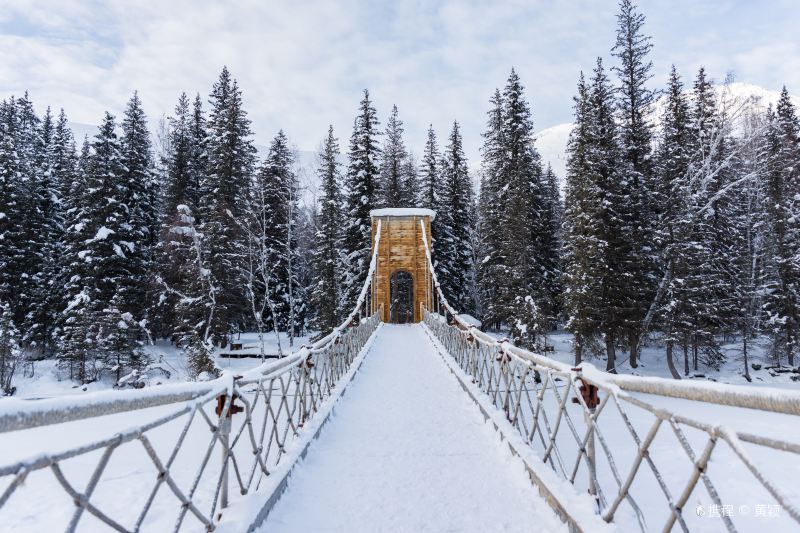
(402, 297)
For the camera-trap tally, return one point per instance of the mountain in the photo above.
(552, 142)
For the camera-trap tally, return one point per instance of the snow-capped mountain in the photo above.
(552, 142)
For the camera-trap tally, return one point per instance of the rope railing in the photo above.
(623, 439)
(204, 444)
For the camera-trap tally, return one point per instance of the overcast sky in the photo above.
(302, 64)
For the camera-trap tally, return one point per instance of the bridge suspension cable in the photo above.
(252, 419)
(580, 439)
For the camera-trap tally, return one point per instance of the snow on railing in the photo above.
(199, 438)
(629, 441)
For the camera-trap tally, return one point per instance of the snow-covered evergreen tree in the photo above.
(490, 270)
(10, 202)
(175, 251)
(781, 189)
(279, 182)
(673, 224)
(327, 262)
(141, 201)
(231, 159)
(393, 161)
(430, 184)
(581, 249)
(11, 355)
(455, 220)
(634, 102)
(74, 340)
(362, 183)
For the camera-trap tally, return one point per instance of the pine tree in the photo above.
(63, 168)
(29, 255)
(141, 201)
(523, 297)
(410, 180)
(490, 274)
(673, 226)
(231, 158)
(75, 341)
(11, 355)
(175, 252)
(327, 263)
(707, 282)
(279, 182)
(454, 257)
(634, 102)
(11, 204)
(429, 172)
(393, 159)
(430, 184)
(782, 186)
(581, 248)
(362, 196)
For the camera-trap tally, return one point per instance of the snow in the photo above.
(47, 381)
(102, 234)
(408, 451)
(403, 212)
(471, 320)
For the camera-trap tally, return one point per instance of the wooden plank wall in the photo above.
(401, 248)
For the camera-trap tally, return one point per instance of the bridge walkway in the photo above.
(407, 450)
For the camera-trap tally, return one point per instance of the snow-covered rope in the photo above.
(276, 399)
(557, 409)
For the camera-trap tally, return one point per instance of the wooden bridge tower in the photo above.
(401, 255)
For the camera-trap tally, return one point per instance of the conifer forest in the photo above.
(674, 230)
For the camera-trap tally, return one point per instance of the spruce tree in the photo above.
(782, 185)
(490, 270)
(430, 184)
(175, 251)
(393, 161)
(231, 158)
(455, 220)
(29, 257)
(674, 228)
(363, 191)
(523, 298)
(75, 341)
(327, 262)
(279, 182)
(138, 177)
(429, 172)
(634, 103)
(581, 250)
(11, 204)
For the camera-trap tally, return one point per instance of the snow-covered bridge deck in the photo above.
(407, 450)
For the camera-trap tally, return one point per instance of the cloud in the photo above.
(302, 65)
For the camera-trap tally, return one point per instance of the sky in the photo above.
(303, 64)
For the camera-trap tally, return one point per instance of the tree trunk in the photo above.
(744, 352)
(685, 355)
(610, 354)
(578, 350)
(694, 352)
(633, 341)
(671, 362)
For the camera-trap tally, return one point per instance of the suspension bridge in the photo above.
(431, 425)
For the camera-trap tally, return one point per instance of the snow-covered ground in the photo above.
(168, 361)
(408, 451)
(653, 363)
